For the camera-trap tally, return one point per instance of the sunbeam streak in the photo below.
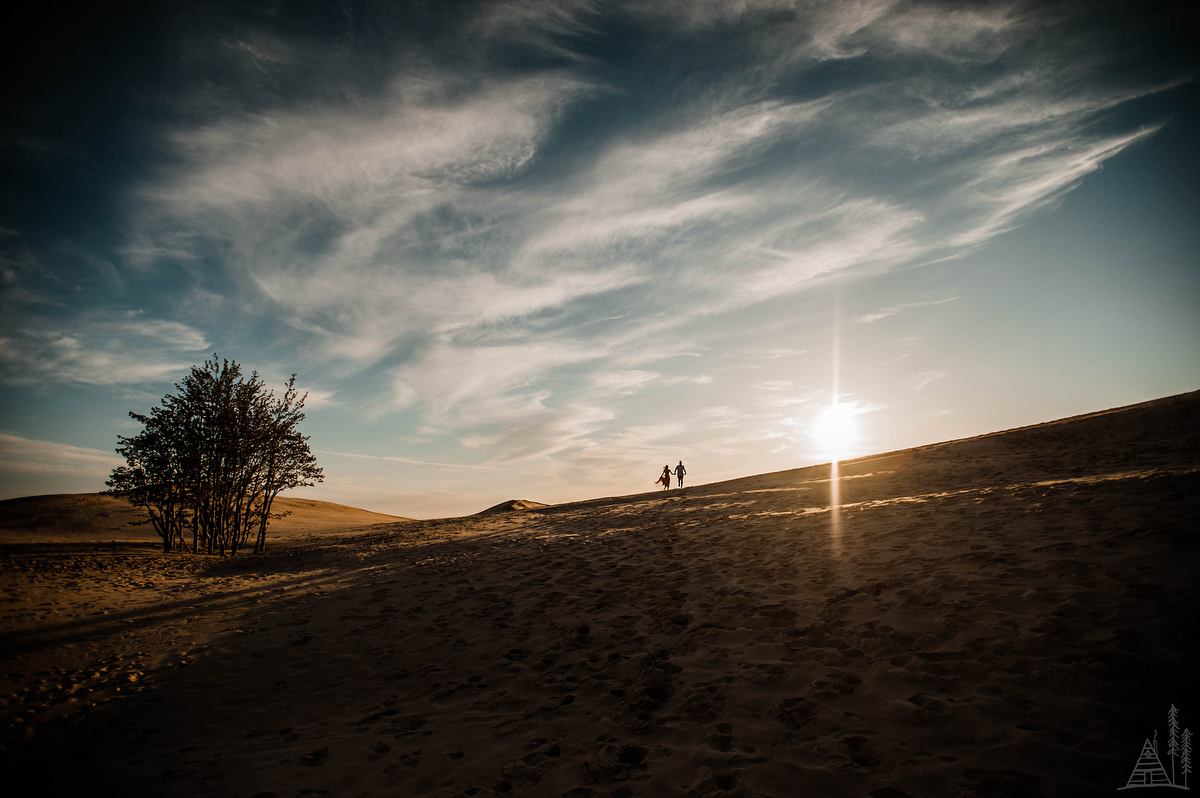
(836, 431)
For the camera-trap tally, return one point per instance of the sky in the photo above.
(539, 249)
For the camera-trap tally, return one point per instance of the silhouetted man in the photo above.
(679, 472)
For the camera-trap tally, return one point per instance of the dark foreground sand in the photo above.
(1001, 616)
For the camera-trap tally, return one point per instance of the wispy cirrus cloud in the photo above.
(368, 225)
(467, 385)
(541, 432)
(921, 379)
(24, 461)
(624, 383)
(95, 350)
(892, 310)
(404, 460)
(415, 225)
(533, 228)
(33, 455)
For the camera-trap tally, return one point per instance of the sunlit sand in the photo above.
(1004, 615)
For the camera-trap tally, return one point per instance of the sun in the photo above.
(835, 430)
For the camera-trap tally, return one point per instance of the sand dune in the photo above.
(511, 505)
(1006, 615)
(79, 517)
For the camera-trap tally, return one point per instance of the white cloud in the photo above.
(95, 350)
(541, 432)
(972, 34)
(532, 23)
(892, 310)
(702, 379)
(623, 383)
(467, 385)
(328, 212)
(921, 379)
(447, 231)
(316, 397)
(1009, 186)
(645, 188)
(405, 460)
(25, 456)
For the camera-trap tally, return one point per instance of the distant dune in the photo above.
(81, 517)
(513, 504)
(1006, 615)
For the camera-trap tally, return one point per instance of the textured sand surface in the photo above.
(1001, 616)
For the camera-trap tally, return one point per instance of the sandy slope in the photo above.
(79, 517)
(1000, 616)
(512, 505)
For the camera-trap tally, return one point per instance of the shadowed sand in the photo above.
(1005, 615)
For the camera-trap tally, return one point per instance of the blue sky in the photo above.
(538, 249)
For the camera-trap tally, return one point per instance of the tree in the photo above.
(287, 461)
(154, 474)
(214, 457)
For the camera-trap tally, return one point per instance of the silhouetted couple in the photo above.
(665, 478)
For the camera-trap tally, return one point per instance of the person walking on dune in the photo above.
(665, 478)
(679, 472)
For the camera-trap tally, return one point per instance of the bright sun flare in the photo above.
(835, 430)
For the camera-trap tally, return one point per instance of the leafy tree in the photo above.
(154, 474)
(212, 459)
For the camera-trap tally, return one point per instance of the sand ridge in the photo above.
(78, 517)
(513, 505)
(1006, 615)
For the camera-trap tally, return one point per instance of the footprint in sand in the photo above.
(709, 782)
(721, 737)
(609, 760)
(407, 726)
(314, 759)
(379, 749)
(793, 713)
(452, 752)
(919, 710)
(765, 673)
(542, 756)
(860, 752)
(836, 683)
